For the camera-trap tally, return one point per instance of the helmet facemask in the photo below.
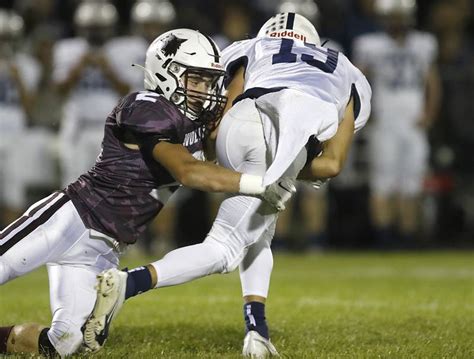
(199, 95)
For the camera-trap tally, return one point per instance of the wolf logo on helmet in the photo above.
(171, 44)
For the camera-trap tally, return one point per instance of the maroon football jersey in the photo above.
(119, 195)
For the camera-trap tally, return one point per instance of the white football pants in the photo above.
(398, 160)
(52, 233)
(245, 225)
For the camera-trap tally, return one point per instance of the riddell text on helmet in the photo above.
(288, 34)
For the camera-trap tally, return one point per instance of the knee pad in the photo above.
(65, 337)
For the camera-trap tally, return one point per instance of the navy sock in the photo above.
(318, 240)
(254, 315)
(385, 237)
(138, 281)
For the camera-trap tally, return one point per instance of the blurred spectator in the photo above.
(360, 18)
(47, 105)
(150, 18)
(454, 136)
(19, 75)
(37, 13)
(235, 24)
(87, 76)
(401, 64)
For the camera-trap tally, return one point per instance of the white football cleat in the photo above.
(110, 287)
(256, 346)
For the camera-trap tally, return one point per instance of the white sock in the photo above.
(256, 269)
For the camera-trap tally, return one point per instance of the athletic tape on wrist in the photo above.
(251, 184)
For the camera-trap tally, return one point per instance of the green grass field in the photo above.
(336, 305)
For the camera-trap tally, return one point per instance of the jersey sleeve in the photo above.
(150, 118)
(233, 57)
(362, 94)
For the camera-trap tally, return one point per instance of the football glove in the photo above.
(279, 192)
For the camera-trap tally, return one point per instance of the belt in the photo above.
(256, 92)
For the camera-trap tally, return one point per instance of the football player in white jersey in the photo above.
(313, 204)
(19, 77)
(401, 64)
(284, 89)
(86, 73)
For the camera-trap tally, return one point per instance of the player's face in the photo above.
(197, 84)
(397, 23)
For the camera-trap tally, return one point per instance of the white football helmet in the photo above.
(11, 29)
(95, 13)
(396, 15)
(307, 8)
(147, 11)
(172, 58)
(290, 25)
(11, 24)
(404, 7)
(95, 20)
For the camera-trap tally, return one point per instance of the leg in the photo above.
(24, 246)
(411, 184)
(384, 173)
(241, 220)
(61, 239)
(72, 297)
(35, 238)
(314, 208)
(255, 272)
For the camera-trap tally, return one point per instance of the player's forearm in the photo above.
(321, 167)
(203, 175)
(26, 99)
(209, 177)
(335, 150)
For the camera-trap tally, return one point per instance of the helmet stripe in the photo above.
(291, 20)
(214, 48)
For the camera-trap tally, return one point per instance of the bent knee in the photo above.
(230, 255)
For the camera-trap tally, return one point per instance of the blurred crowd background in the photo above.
(65, 63)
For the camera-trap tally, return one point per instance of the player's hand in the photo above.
(278, 193)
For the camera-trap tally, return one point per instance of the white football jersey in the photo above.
(301, 90)
(93, 94)
(398, 73)
(317, 71)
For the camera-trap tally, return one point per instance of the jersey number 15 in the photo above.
(286, 56)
